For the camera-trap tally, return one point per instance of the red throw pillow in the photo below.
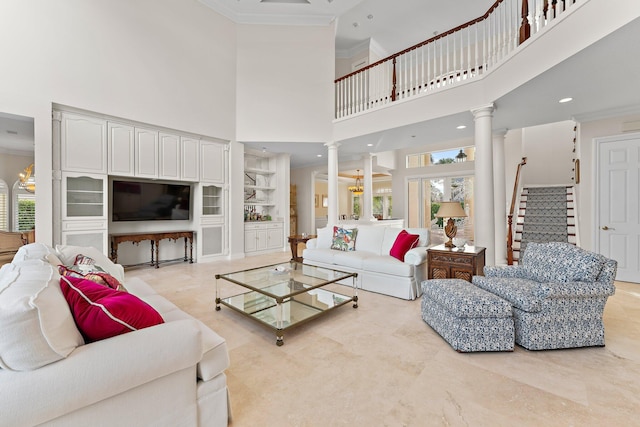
(101, 312)
(404, 242)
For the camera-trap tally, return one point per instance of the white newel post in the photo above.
(484, 224)
(500, 196)
(367, 208)
(332, 172)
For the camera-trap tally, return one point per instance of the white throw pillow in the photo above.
(35, 319)
(325, 237)
(68, 255)
(32, 251)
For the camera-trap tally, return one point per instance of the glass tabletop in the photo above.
(285, 280)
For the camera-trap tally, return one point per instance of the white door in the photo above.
(618, 235)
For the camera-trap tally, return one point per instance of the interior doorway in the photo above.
(617, 192)
(17, 154)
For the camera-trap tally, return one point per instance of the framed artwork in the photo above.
(325, 201)
(317, 201)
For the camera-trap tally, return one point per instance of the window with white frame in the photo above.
(4, 206)
(24, 209)
(442, 157)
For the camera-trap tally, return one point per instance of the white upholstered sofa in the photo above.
(377, 270)
(171, 374)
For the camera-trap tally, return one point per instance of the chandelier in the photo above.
(358, 188)
(27, 179)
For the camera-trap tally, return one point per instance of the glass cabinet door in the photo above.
(85, 196)
(211, 200)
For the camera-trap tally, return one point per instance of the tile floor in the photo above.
(381, 365)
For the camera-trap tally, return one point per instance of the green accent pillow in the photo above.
(344, 239)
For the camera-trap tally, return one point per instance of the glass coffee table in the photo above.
(285, 295)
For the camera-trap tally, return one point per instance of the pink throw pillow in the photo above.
(101, 312)
(404, 242)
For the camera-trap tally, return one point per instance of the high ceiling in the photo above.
(393, 25)
(396, 25)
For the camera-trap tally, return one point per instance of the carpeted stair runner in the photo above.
(542, 217)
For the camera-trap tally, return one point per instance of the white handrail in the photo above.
(444, 60)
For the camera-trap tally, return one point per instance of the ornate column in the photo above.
(500, 196)
(367, 196)
(484, 223)
(332, 173)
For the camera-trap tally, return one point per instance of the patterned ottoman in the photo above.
(467, 317)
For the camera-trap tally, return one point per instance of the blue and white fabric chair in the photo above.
(558, 294)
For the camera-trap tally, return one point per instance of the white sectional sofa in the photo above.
(377, 270)
(171, 374)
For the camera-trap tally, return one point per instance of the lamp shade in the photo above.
(450, 210)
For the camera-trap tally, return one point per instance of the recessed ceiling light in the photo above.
(355, 25)
(369, 145)
(369, 16)
(318, 155)
(563, 100)
(461, 127)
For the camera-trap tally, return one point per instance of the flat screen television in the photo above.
(149, 201)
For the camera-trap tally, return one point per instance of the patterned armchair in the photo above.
(558, 294)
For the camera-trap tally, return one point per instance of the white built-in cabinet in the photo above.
(211, 162)
(146, 153)
(264, 236)
(120, 148)
(84, 210)
(263, 229)
(170, 152)
(83, 144)
(190, 155)
(94, 148)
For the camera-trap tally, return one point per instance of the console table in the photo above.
(155, 238)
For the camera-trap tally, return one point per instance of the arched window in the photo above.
(4, 206)
(24, 208)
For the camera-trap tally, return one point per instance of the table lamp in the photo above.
(450, 210)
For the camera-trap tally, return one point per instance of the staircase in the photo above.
(545, 214)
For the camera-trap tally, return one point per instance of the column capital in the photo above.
(332, 144)
(500, 132)
(483, 110)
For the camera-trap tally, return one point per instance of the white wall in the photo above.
(549, 152)
(164, 62)
(285, 83)
(587, 132)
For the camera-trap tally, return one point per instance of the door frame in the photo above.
(595, 182)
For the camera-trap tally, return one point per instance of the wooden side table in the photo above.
(294, 241)
(452, 263)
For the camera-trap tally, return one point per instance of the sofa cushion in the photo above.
(35, 320)
(386, 264)
(320, 255)
(344, 239)
(351, 259)
(560, 262)
(68, 254)
(102, 312)
(524, 294)
(370, 239)
(404, 242)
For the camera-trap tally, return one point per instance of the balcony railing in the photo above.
(450, 58)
